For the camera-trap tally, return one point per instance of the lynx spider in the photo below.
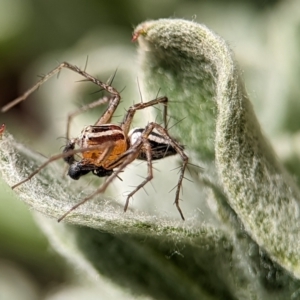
(105, 146)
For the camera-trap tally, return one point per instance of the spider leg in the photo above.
(138, 106)
(147, 149)
(105, 117)
(179, 149)
(143, 145)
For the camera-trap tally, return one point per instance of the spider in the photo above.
(106, 149)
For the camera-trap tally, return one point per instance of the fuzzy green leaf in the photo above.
(196, 69)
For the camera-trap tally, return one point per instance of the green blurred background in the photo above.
(36, 34)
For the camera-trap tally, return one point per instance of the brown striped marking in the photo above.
(104, 136)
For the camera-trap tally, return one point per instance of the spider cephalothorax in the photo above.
(105, 149)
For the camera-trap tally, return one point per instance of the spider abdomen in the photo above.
(160, 146)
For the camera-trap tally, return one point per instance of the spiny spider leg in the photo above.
(138, 106)
(184, 158)
(147, 148)
(105, 117)
(178, 148)
(155, 139)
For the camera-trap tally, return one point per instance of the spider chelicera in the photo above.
(105, 148)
